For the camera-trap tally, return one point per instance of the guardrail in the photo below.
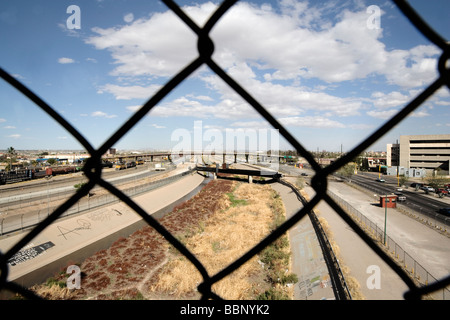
(24, 221)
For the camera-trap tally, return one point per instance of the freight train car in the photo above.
(15, 176)
(30, 174)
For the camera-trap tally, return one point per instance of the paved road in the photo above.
(416, 200)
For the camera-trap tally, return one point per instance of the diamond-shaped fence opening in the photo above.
(93, 167)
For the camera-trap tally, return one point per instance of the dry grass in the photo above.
(226, 236)
(218, 225)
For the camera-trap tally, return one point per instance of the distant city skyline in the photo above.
(330, 72)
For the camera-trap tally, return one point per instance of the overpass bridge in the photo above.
(166, 155)
(247, 172)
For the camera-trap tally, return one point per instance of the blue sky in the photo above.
(323, 68)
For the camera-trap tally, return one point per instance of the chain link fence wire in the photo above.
(205, 46)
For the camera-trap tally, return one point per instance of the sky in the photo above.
(331, 72)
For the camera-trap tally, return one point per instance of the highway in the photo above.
(415, 200)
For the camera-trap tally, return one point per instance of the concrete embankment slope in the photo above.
(76, 238)
(307, 258)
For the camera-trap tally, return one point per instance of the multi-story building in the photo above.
(393, 155)
(428, 152)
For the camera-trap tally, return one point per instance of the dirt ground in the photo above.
(224, 220)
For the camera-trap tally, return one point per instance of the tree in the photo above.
(402, 179)
(12, 153)
(52, 161)
(348, 170)
(436, 182)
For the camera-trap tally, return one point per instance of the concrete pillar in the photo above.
(151, 158)
(250, 179)
(235, 158)
(214, 175)
(246, 158)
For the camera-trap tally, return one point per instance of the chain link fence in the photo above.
(205, 47)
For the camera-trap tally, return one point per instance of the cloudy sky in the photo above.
(332, 72)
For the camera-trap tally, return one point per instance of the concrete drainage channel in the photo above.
(41, 274)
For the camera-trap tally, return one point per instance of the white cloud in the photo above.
(269, 53)
(65, 60)
(384, 114)
(311, 122)
(102, 114)
(148, 47)
(335, 52)
(154, 125)
(128, 18)
(133, 108)
(412, 68)
(14, 136)
(251, 124)
(9, 127)
(285, 100)
(18, 76)
(130, 92)
(203, 98)
(183, 107)
(2, 120)
(390, 100)
(419, 114)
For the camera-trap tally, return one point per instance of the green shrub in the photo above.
(54, 282)
(272, 294)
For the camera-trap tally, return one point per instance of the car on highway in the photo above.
(428, 189)
(444, 211)
(400, 196)
(304, 174)
(380, 180)
(416, 185)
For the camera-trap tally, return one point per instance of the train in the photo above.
(19, 175)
